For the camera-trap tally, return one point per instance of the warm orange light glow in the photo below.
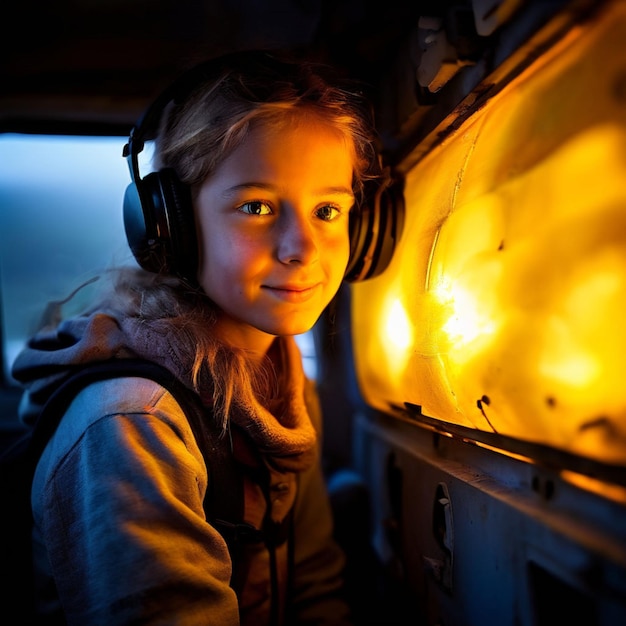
(504, 306)
(464, 249)
(398, 327)
(398, 336)
(465, 323)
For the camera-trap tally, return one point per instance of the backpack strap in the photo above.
(224, 499)
(223, 502)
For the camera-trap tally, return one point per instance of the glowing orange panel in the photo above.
(504, 306)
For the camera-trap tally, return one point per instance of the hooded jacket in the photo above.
(120, 534)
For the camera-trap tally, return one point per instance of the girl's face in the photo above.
(273, 229)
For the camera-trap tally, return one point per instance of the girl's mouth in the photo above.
(289, 293)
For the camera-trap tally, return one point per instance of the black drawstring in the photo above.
(291, 550)
(274, 597)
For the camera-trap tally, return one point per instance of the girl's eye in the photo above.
(255, 207)
(327, 212)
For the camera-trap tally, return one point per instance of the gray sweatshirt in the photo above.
(120, 534)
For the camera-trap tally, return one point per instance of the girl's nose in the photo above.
(297, 241)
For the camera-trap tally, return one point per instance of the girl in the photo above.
(264, 161)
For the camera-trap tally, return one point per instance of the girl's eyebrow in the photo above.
(338, 190)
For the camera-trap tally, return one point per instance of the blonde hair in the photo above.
(244, 88)
(168, 307)
(195, 134)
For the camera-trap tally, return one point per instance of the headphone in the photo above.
(158, 213)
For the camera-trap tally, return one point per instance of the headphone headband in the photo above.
(158, 213)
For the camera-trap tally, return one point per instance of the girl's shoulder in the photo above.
(106, 409)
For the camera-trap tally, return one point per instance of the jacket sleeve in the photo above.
(318, 590)
(119, 508)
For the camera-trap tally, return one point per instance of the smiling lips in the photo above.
(293, 293)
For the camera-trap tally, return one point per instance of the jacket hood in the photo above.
(51, 354)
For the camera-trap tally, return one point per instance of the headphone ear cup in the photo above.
(374, 231)
(177, 209)
(139, 231)
(160, 227)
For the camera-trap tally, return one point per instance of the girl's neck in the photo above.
(255, 343)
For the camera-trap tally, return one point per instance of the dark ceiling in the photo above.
(67, 65)
(93, 66)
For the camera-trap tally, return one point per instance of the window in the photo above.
(60, 223)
